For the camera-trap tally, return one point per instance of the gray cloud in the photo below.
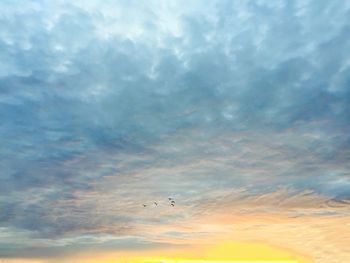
(125, 102)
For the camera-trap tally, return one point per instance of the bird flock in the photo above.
(171, 202)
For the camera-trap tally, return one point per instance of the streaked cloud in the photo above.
(238, 108)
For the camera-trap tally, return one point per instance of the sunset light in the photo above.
(174, 131)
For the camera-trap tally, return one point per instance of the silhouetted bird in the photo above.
(156, 203)
(144, 205)
(172, 204)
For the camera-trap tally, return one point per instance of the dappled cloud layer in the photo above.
(238, 110)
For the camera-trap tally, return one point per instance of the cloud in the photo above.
(105, 106)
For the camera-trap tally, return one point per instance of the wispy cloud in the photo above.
(224, 106)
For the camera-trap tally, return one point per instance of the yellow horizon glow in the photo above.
(162, 260)
(224, 252)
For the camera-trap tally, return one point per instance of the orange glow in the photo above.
(226, 252)
(251, 251)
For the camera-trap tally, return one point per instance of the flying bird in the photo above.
(156, 203)
(144, 205)
(171, 201)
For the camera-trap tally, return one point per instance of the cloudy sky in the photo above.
(238, 110)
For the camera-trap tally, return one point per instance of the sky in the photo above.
(238, 110)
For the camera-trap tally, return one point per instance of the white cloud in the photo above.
(153, 98)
